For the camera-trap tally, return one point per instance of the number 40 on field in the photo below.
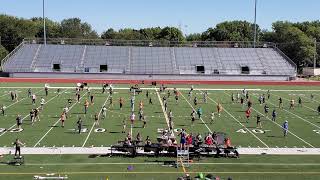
(256, 131)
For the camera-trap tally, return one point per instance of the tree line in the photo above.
(296, 40)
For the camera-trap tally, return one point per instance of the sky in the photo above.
(191, 15)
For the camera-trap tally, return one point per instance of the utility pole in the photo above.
(255, 24)
(44, 25)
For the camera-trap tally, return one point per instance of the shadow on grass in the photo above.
(54, 126)
(114, 132)
(275, 136)
(73, 132)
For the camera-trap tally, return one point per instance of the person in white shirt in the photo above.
(169, 142)
(132, 117)
(104, 112)
(42, 102)
(34, 97)
(65, 111)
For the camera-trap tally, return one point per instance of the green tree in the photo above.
(109, 34)
(171, 34)
(231, 31)
(129, 34)
(208, 35)
(3, 52)
(74, 28)
(194, 37)
(150, 33)
(53, 29)
(13, 30)
(293, 42)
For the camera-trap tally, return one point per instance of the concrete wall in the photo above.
(150, 77)
(311, 71)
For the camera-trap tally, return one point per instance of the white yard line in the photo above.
(312, 100)
(202, 89)
(28, 114)
(20, 100)
(107, 150)
(163, 110)
(297, 115)
(298, 96)
(131, 129)
(143, 88)
(282, 128)
(5, 94)
(292, 90)
(241, 123)
(7, 130)
(23, 87)
(57, 122)
(195, 110)
(85, 141)
(160, 172)
(159, 163)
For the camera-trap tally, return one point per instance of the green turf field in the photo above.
(304, 127)
(82, 167)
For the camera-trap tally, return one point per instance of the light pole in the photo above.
(255, 24)
(315, 54)
(44, 25)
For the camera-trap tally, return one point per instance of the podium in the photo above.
(183, 158)
(17, 161)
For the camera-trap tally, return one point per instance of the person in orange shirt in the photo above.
(140, 105)
(291, 104)
(227, 143)
(177, 96)
(86, 105)
(219, 109)
(121, 102)
(248, 113)
(62, 119)
(208, 140)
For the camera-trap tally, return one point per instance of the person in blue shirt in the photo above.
(199, 112)
(266, 109)
(274, 115)
(285, 127)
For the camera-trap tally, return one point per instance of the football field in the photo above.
(304, 127)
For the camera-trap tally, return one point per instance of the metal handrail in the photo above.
(5, 59)
(286, 57)
(150, 43)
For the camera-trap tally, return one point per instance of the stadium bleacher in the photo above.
(261, 61)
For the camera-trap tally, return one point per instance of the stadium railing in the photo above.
(286, 57)
(4, 60)
(151, 43)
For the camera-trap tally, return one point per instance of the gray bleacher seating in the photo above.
(21, 61)
(115, 57)
(151, 60)
(148, 60)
